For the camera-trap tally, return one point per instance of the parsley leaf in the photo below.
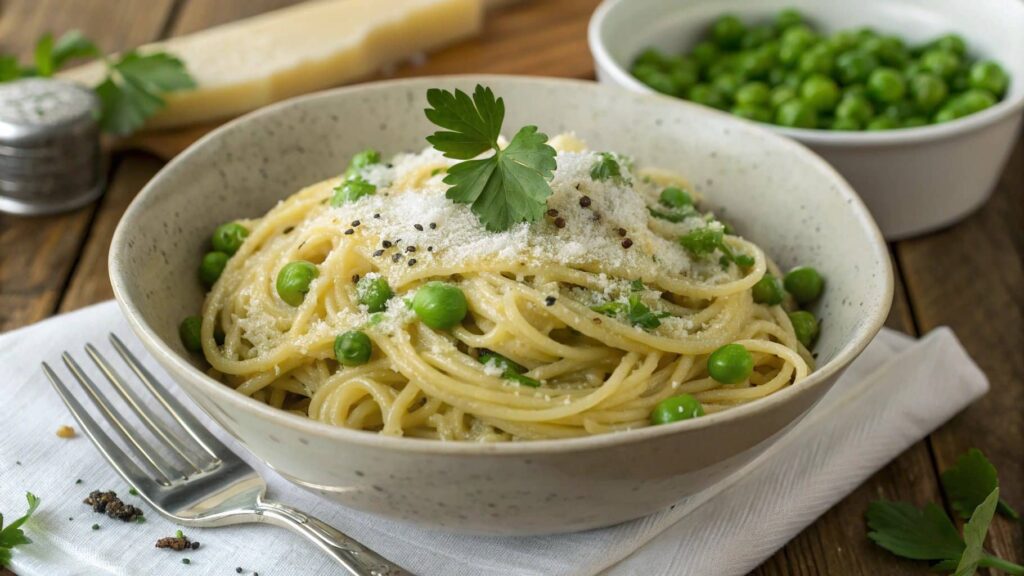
(12, 535)
(509, 187)
(974, 535)
(511, 370)
(50, 55)
(702, 242)
(971, 479)
(131, 92)
(9, 69)
(912, 532)
(606, 167)
(636, 312)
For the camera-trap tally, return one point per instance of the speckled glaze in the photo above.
(775, 191)
(915, 180)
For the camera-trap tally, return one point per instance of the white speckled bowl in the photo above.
(774, 190)
(914, 180)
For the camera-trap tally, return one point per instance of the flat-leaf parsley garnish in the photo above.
(506, 188)
(970, 481)
(12, 535)
(928, 534)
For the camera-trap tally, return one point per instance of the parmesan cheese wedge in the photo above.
(250, 63)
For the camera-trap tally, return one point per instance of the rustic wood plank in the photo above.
(540, 38)
(970, 278)
(90, 283)
(39, 253)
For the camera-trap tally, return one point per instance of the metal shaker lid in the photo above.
(43, 111)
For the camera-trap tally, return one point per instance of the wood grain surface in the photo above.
(968, 276)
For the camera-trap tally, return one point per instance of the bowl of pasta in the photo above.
(501, 305)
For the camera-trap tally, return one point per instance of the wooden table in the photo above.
(968, 276)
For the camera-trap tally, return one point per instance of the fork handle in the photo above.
(356, 558)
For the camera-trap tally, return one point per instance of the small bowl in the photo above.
(775, 191)
(914, 180)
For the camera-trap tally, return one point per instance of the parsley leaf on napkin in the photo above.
(12, 535)
(509, 187)
(969, 481)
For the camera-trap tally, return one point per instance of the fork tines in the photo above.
(192, 450)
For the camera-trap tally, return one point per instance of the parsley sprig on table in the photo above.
(132, 90)
(503, 189)
(928, 534)
(12, 535)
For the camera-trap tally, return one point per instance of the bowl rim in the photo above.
(1011, 104)
(224, 395)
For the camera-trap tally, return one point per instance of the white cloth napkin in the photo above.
(893, 395)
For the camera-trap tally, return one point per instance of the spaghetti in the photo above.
(587, 319)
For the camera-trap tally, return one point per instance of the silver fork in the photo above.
(207, 485)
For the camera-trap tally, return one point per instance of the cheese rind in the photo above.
(250, 63)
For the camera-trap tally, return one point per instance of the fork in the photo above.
(205, 484)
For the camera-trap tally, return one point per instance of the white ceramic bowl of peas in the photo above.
(915, 179)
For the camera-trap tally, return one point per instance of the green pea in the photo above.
(794, 42)
(974, 101)
(293, 281)
(890, 50)
(990, 76)
(727, 84)
(781, 95)
(757, 37)
(880, 123)
(353, 348)
(820, 92)
(352, 190)
(804, 283)
(845, 124)
(899, 111)
(708, 96)
(818, 60)
(915, 121)
(730, 364)
(855, 90)
(660, 82)
(676, 409)
(757, 63)
(753, 94)
(947, 113)
(855, 66)
(440, 305)
(768, 290)
(651, 57)
(842, 41)
(211, 267)
(855, 108)
(951, 43)
(776, 76)
(683, 73)
(928, 91)
(190, 332)
(228, 238)
(788, 18)
(940, 62)
(674, 197)
(806, 327)
(374, 293)
(752, 112)
(886, 85)
(796, 114)
(705, 53)
(793, 80)
(728, 31)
